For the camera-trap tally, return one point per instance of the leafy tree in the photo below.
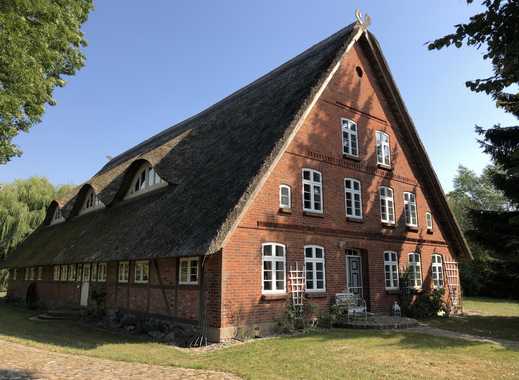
(23, 204)
(496, 31)
(40, 43)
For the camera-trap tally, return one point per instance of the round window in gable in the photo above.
(359, 71)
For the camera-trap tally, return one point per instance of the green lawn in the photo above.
(329, 354)
(485, 317)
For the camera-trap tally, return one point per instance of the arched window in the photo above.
(57, 217)
(91, 202)
(146, 179)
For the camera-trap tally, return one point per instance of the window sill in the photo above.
(285, 210)
(274, 297)
(385, 167)
(313, 214)
(354, 220)
(388, 225)
(315, 294)
(393, 291)
(412, 228)
(350, 157)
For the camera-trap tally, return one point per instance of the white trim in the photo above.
(101, 272)
(189, 262)
(429, 221)
(392, 263)
(86, 272)
(416, 268)
(64, 273)
(353, 192)
(273, 259)
(72, 272)
(438, 274)
(290, 138)
(353, 136)
(313, 184)
(123, 272)
(91, 202)
(314, 261)
(389, 204)
(281, 205)
(145, 170)
(410, 209)
(385, 148)
(56, 274)
(141, 272)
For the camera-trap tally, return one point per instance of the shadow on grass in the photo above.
(16, 324)
(11, 374)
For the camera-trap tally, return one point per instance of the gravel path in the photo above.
(19, 362)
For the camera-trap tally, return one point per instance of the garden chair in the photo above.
(353, 304)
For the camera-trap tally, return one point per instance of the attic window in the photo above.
(91, 202)
(359, 71)
(146, 179)
(57, 217)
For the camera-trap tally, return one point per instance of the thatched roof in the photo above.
(212, 162)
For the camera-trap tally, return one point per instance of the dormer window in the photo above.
(91, 202)
(57, 217)
(146, 179)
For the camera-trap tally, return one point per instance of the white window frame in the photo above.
(79, 272)
(91, 202)
(123, 272)
(57, 273)
(32, 274)
(146, 179)
(273, 259)
(190, 263)
(438, 280)
(391, 270)
(350, 144)
(142, 272)
(101, 272)
(383, 149)
(87, 272)
(15, 274)
(72, 272)
(410, 208)
(39, 274)
(387, 202)
(429, 221)
(26, 277)
(57, 216)
(415, 271)
(353, 194)
(283, 204)
(93, 272)
(64, 273)
(313, 185)
(313, 261)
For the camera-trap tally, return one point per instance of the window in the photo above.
(57, 217)
(79, 272)
(86, 272)
(142, 272)
(349, 138)
(437, 270)
(145, 180)
(429, 221)
(72, 272)
(26, 278)
(391, 269)
(39, 275)
(387, 205)
(383, 150)
(124, 269)
(415, 271)
(188, 271)
(32, 274)
(285, 200)
(314, 265)
(312, 191)
(353, 196)
(273, 270)
(64, 273)
(93, 274)
(56, 273)
(410, 209)
(91, 203)
(101, 272)
(15, 274)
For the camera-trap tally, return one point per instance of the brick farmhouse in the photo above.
(316, 163)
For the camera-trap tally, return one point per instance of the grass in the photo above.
(330, 354)
(485, 317)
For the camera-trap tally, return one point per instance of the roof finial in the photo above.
(364, 24)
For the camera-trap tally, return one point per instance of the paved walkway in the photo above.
(19, 362)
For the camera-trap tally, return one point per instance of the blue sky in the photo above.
(151, 66)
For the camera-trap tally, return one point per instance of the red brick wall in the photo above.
(318, 145)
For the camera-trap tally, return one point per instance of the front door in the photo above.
(85, 285)
(354, 272)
